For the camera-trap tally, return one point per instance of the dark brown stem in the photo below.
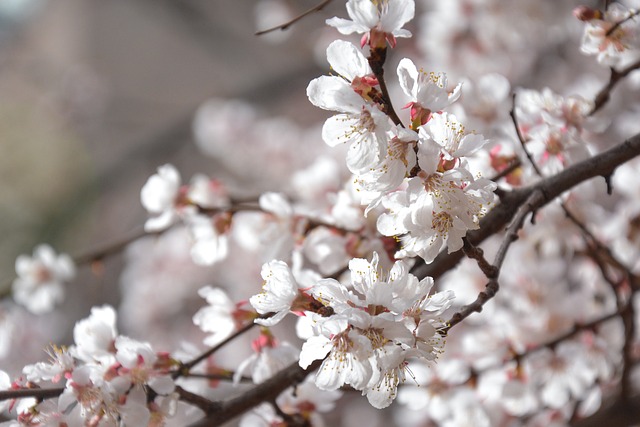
(38, 393)
(523, 143)
(605, 93)
(492, 271)
(619, 23)
(222, 412)
(377, 58)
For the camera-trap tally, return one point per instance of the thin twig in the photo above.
(38, 393)
(185, 367)
(493, 271)
(619, 23)
(523, 143)
(287, 24)
(605, 93)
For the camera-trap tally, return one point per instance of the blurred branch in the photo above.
(614, 413)
(287, 24)
(605, 93)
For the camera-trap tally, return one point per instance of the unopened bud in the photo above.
(585, 13)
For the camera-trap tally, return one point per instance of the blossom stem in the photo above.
(376, 61)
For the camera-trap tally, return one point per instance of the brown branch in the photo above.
(515, 164)
(493, 271)
(287, 24)
(196, 400)
(614, 413)
(551, 344)
(222, 412)
(38, 393)
(377, 58)
(494, 222)
(605, 93)
(216, 377)
(110, 249)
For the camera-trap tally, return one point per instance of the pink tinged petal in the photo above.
(277, 204)
(271, 320)
(135, 411)
(399, 12)
(347, 60)
(209, 251)
(160, 222)
(494, 87)
(390, 225)
(408, 76)
(363, 12)
(65, 267)
(363, 154)
(24, 265)
(470, 144)
(331, 375)
(555, 395)
(45, 254)
(430, 251)
(338, 129)
(345, 26)
(41, 299)
(334, 94)
(384, 392)
(439, 302)
(160, 190)
(163, 384)
(428, 155)
(358, 373)
(315, 348)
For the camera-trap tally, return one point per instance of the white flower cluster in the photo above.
(364, 333)
(40, 282)
(552, 126)
(108, 378)
(419, 175)
(168, 200)
(611, 36)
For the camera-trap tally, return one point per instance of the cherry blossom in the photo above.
(40, 282)
(221, 317)
(372, 331)
(611, 36)
(380, 22)
(428, 91)
(360, 122)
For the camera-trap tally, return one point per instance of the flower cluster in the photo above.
(39, 285)
(552, 126)
(364, 333)
(168, 200)
(419, 175)
(108, 378)
(609, 35)
(338, 246)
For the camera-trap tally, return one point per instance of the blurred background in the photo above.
(97, 94)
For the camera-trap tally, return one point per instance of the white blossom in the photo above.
(40, 282)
